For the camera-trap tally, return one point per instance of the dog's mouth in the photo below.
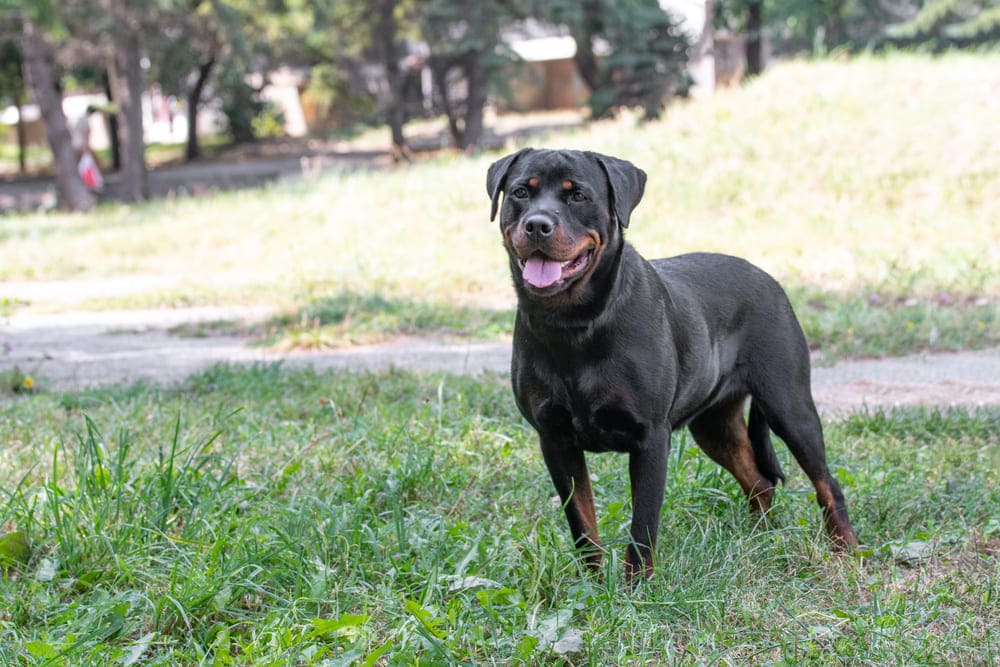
(541, 271)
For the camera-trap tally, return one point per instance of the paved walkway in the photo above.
(74, 350)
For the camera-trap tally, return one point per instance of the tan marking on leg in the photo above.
(727, 442)
(838, 527)
(583, 503)
(758, 489)
(637, 572)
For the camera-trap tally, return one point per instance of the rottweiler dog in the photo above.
(614, 353)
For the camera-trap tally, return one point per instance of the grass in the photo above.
(869, 325)
(259, 516)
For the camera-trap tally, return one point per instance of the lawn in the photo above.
(266, 517)
(871, 187)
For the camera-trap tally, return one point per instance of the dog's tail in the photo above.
(763, 450)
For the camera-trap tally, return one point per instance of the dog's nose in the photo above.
(538, 226)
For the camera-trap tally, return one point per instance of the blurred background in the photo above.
(176, 81)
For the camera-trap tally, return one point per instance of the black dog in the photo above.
(613, 352)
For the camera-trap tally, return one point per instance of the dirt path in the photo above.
(74, 350)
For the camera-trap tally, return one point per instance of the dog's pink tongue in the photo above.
(541, 272)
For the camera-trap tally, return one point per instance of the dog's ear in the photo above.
(496, 178)
(626, 183)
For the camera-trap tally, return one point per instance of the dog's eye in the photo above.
(579, 196)
(519, 193)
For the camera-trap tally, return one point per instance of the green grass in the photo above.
(870, 325)
(266, 517)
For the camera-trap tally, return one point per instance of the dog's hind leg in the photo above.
(793, 417)
(763, 449)
(722, 433)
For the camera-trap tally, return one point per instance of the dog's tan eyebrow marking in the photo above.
(533, 181)
(567, 185)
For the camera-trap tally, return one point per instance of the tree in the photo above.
(647, 58)
(588, 25)
(388, 49)
(37, 58)
(12, 86)
(747, 18)
(463, 36)
(945, 23)
(755, 36)
(820, 26)
(188, 48)
(108, 35)
(112, 119)
(192, 147)
(338, 37)
(126, 82)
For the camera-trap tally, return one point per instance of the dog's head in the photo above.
(562, 211)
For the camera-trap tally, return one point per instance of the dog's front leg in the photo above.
(648, 474)
(568, 468)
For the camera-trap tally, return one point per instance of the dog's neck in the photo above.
(578, 320)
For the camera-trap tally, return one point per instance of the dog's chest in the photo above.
(597, 409)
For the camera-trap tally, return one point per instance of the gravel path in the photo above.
(74, 350)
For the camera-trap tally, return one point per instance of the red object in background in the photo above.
(90, 174)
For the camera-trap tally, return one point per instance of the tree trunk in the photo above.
(128, 88)
(755, 41)
(475, 102)
(439, 71)
(836, 30)
(71, 193)
(476, 75)
(22, 142)
(112, 118)
(193, 149)
(387, 33)
(583, 36)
